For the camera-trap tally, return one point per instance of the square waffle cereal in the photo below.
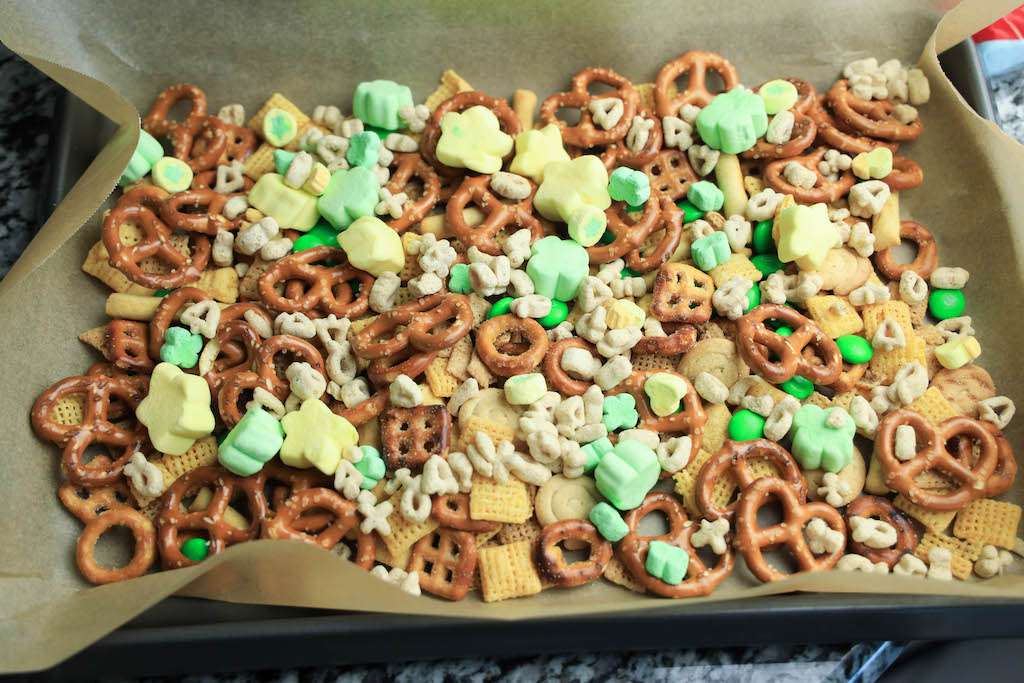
(404, 533)
(478, 371)
(874, 481)
(487, 537)
(523, 531)
(874, 314)
(617, 573)
(933, 406)
(249, 285)
(451, 84)
(442, 383)
(260, 162)
(277, 101)
(69, 409)
(686, 484)
(651, 361)
(202, 454)
(885, 364)
(97, 264)
(480, 307)
(646, 93)
(507, 571)
(458, 360)
(834, 315)
(475, 423)
(738, 264)
(989, 521)
(493, 502)
(935, 521)
(964, 552)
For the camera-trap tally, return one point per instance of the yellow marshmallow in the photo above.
(316, 437)
(473, 139)
(535, 149)
(958, 352)
(372, 246)
(176, 411)
(874, 164)
(805, 235)
(291, 208)
(624, 313)
(571, 185)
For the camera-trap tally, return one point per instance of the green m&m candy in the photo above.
(946, 303)
(798, 386)
(690, 212)
(500, 307)
(746, 425)
(753, 298)
(321, 234)
(763, 242)
(767, 263)
(195, 549)
(559, 312)
(854, 349)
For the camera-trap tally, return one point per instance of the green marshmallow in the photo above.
(711, 251)
(946, 303)
(147, 152)
(778, 95)
(173, 175)
(706, 196)
(320, 235)
(595, 450)
(627, 473)
(500, 307)
(350, 194)
(608, 521)
(195, 549)
(558, 313)
(666, 562)
(753, 298)
(763, 242)
(690, 212)
(181, 347)
(279, 127)
(627, 185)
(746, 425)
(251, 443)
(282, 160)
(822, 438)
(798, 386)
(458, 279)
(557, 267)
(363, 149)
(767, 264)
(587, 225)
(733, 121)
(619, 412)
(371, 467)
(855, 349)
(377, 103)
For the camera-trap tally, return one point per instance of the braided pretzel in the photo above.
(509, 345)
(309, 287)
(695, 64)
(755, 341)
(499, 216)
(830, 134)
(824, 190)
(633, 548)
(445, 560)
(877, 506)
(96, 426)
(690, 418)
(618, 154)
(173, 518)
(197, 211)
(871, 117)
(556, 376)
(752, 539)
(452, 511)
(670, 222)
(924, 263)
(362, 412)
(168, 311)
(734, 460)
(682, 293)
(551, 562)
(906, 174)
(802, 137)
(460, 102)
(125, 345)
(677, 342)
(430, 323)
(670, 174)
(585, 134)
(411, 167)
(629, 234)
(932, 454)
(343, 519)
(156, 122)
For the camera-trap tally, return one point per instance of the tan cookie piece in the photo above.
(716, 356)
(563, 498)
(716, 428)
(964, 387)
(853, 475)
(844, 271)
(490, 405)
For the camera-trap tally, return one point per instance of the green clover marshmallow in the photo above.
(733, 121)
(823, 438)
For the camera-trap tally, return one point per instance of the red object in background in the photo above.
(1009, 27)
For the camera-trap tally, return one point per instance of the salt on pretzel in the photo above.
(755, 341)
(824, 189)
(870, 117)
(831, 135)
(619, 154)
(876, 506)
(690, 419)
(694, 64)
(734, 460)
(311, 285)
(411, 167)
(551, 562)
(585, 134)
(924, 263)
(499, 216)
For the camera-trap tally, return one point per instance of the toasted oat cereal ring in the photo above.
(156, 121)
(670, 173)
(413, 175)
(556, 376)
(618, 154)
(445, 560)
(735, 460)
(197, 211)
(756, 342)
(509, 345)
(143, 554)
(695, 64)
(585, 134)
(460, 102)
(824, 190)
(551, 562)
(924, 263)
(629, 234)
(317, 281)
(500, 216)
(880, 508)
(830, 134)
(452, 510)
(906, 174)
(286, 518)
(870, 117)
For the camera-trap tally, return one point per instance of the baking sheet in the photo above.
(968, 163)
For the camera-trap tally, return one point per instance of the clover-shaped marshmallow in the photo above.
(181, 347)
(627, 473)
(823, 438)
(619, 412)
(316, 437)
(806, 235)
(733, 121)
(535, 149)
(177, 409)
(576, 192)
(473, 139)
(557, 267)
(251, 443)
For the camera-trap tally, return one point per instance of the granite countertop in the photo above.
(27, 104)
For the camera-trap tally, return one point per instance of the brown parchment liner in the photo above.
(117, 56)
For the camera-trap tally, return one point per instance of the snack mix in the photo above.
(471, 349)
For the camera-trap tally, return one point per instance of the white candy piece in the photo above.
(874, 533)
(821, 538)
(712, 534)
(146, 477)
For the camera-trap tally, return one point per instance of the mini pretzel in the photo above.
(682, 293)
(849, 378)
(342, 515)
(445, 560)
(871, 117)
(89, 503)
(585, 134)
(677, 342)
(670, 174)
(310, 287)
(1006, 467)
(364, 411)
(906, 174)
(617, 154)
(201, 142)
(408, 361)
(876, 506)
(460, 102)
(734, 460)
(430, 323)
(239, 144)
(932, 454)
(125, 344)
(156, 122)
(509, 345)
(924, 263)
(452, 511)
(282, 481)
(557, 378)
(802, 137)
(167, 313)
(830, 134)
(633, 548)
(755, 341)
(239, 344)
(671, 222)
(630, 234)
(205, 180)
(96, 426)
(824, 190)
(690, 418)
(173, 518)
(409, 436)
(752, 539)
(143, 553)
(155, 242)
(197, 211)
(551, 562)
(499, 216)
(695, 64)
(409, 169)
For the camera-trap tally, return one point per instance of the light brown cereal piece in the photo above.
(97, 264)
(404, 533)
(528, 531)
(479, 306)
(752, 184)
(964, 387)
(875, 481)
(844, 271)
(875, 314)
(964, 552)
(686, 482)
(507, 571)
(451, 84)
(885, 364)
(646, 93)
(487, 537)
(737, 265)
(932, 520)
(886, 224)
(259, 162)
(69, 410)
(933, 406)
(493, 502)
(818, 399)
(717, 356)
(94, 337)
(442, 383)
(834, 315)
(989, 521)
(220, 283)
(524, 104)
(716, 428)
(651, 361)
(249, 286)
(458, 361)
(617, 573)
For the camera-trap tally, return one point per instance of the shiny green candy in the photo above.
(946, 303)
(783, 330)
(855, 349)
(320, 235)
(690, 212)
(195, 549)
(162, 292)
(767, 263)
(746, 425)
(798, 386)
(629, 272)
(753, 298)
(559, 312)
(763, 241)
(501, 307)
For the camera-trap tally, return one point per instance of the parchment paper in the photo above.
(118, 56)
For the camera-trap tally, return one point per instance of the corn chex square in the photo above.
(935, 521)
(617, 573)
(442, 383)
(524, 531)
(507, 571)
(894, 309)
(738, 264)
(451, 84)
(885, 364)
(97, 264)
(494, 502)
(404, 533)
(834, 315)
(989, 522)
(933, 406)
(259, 162)
(964, 552)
